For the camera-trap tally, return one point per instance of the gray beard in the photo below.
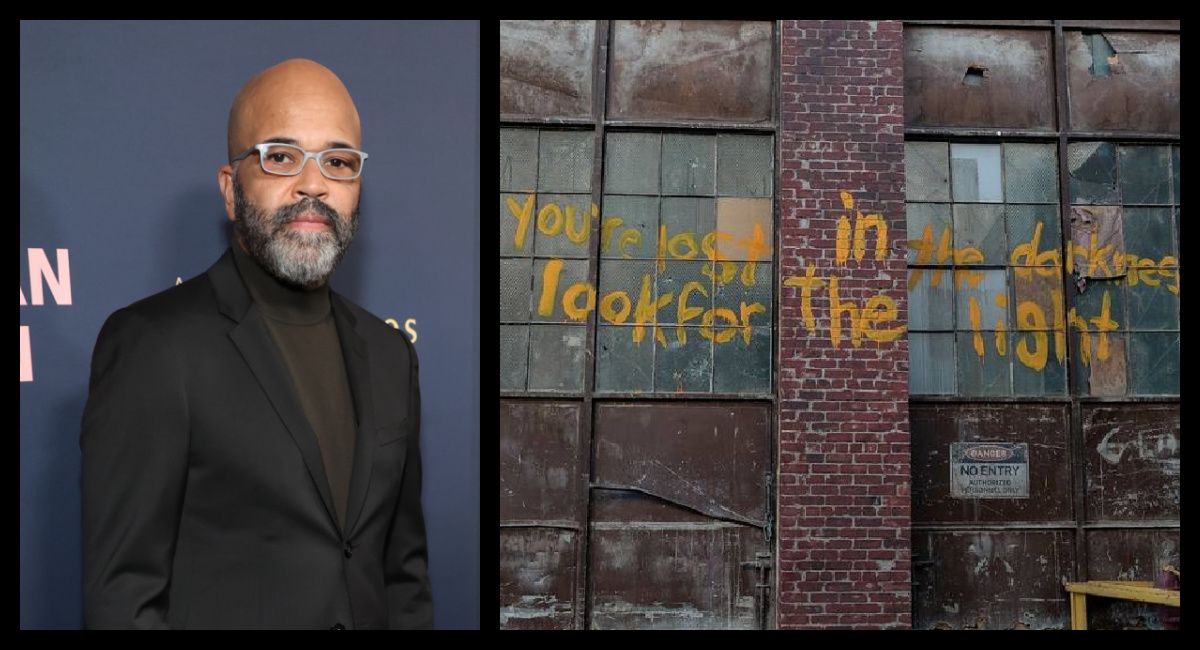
(301, 259)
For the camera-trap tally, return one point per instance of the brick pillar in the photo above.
(844, 512)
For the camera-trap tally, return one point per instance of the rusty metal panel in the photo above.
(1130, 555)
(995, 580)
(537, 578)
(978, 77)
(1123, 24)
(1043, 427)
(712, 458)
(539, 461)
(1123, 81)
(670, 571)
(691, 69)
(546, 67)
(1132, 462)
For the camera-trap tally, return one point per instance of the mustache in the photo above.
(288, 214)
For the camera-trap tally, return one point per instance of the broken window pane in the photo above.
(1039, 348)
(1152, 307)
(563, 225)
(549, 299)
(1148, 232)
(1098, 236)
(927, 171)
(1093, 170)
(930, 307)
(546, 67)
(739, 367)
(1030, 173)
(631, 163)
(983, 372)
(1145, 175)
(629, 228)
(516, 209)
(1154, 363)
(1090, 304)
(931, 364)
(691, 69)
(556, 357)
(515, 285)
(689, 164)
(518, 159)
(1123, 81)
(923, 245)
(684, 366)
(623, 365)
(747, 229)
(565, 161)
(744, 165)
(1103, 374)
(981, 227)
(975, 172)
(988, 298)
(978, 77)
(514, 353)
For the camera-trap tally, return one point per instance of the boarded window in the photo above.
(691, 69)
(1123, 81)
(546, 67)
(978, 77)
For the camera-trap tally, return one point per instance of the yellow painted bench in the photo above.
(1144, 592)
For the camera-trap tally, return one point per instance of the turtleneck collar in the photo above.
(277, 300)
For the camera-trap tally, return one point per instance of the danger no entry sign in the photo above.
(989, 470)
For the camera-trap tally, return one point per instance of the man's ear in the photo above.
(225, 183)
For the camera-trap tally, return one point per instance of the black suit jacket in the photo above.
(205, 502)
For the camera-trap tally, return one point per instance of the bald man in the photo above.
(250, 440)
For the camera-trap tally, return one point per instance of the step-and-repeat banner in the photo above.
(123, 128)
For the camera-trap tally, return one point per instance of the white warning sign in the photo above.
(989, 470)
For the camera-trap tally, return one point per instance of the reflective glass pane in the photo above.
(1145, 174)
(1154, 363)
(975, 173)
(1148, 233)
(1152, 307)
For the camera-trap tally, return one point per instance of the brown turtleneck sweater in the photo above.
(302, 326)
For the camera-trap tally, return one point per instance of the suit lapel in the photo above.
(358, 373)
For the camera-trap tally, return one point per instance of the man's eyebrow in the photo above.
(332, 144)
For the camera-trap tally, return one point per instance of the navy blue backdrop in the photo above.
(122, 131)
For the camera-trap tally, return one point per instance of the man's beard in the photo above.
(303, 259)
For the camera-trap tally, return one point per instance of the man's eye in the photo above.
(278, 157)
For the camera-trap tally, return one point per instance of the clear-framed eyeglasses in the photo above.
(289, 160)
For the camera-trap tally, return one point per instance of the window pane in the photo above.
(930, 307)
(985, 373)
(1029, 350)
(1090, 303)
(683, 366)
(1151, 307)
(690, 69)
(516, 209)
(514, 352)
(688, 222)
(989, 296)
(936, 218)
(1022, 224)
(631, 163)
(677, 276)
(556, 357)
(632, 224)
(981, 227)
(689, 164)
(518, 159)
(624, 277)
(1093, 170)
(1175, 169)
(565, 161)
(562, 224)
(1154, 363)
(1145, 175)
(546, 67)
(570, 272)
(623, 365)
(927, 171)
(931, 364)
(740, 219)
(975, 172)
(1030, 173)
(739, 367)
(1148, 232)
(736, 292)
(515, 289)
(744, 165)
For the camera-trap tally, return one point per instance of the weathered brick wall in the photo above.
(844, 511)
